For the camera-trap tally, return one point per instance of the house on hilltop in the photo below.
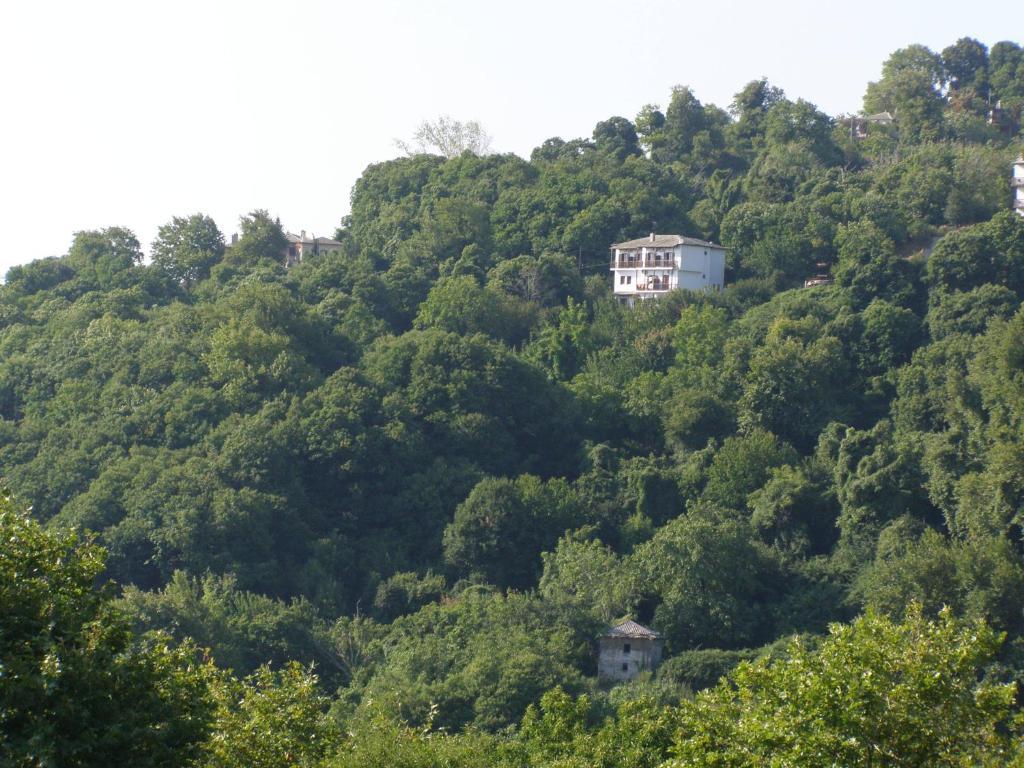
(650, 266)
(297, 247)
(626, 650)
(300, 246)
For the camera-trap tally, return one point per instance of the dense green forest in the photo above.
(374, 509)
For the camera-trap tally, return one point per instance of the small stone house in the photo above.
(626, 650)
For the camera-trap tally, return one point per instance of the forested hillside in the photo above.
(435, 465)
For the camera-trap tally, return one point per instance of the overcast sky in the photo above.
(128, 113)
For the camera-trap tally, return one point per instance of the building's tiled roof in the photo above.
(631, 629)
(665, 241)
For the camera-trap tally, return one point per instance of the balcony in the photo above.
(650, 262)
(654, 285)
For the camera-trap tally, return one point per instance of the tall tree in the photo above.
(75, 688)
(186, 248)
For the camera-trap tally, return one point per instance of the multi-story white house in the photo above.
(652, 265)
(1018, 184)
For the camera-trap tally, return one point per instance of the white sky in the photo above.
(128, 113)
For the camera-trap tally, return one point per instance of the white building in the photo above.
(1018, 184)
(650, 266)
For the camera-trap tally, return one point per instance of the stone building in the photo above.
(626, 650)
(299, 247)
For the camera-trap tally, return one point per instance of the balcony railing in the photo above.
(653, 286)
(648, 263)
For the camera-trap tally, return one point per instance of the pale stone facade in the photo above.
(626, 650)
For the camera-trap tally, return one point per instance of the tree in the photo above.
(711, 581)
(262, 239)
(965, 64)
(751, 105)
(502, 527)
(272, 719)
(447, 137)
(874, 693)
(104, 258)
(186, 248)
(78, 689)
(616, 138)
(868, 264)
(909, 88)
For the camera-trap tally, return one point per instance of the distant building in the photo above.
(1018, 184)
(626, 650)
(821, 277)
(300, 246)
(859, 123)
(650, 266)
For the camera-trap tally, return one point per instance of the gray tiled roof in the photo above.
(631, 629)
(665, 241)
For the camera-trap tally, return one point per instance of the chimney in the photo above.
(652, 237)
(302, 233)
(234, 238)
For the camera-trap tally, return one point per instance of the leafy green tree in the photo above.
(104, 259)
(460, 305)
(502, 527)
(794, 389)
(874, 692)
(986, 253)
(751, 106)
(909, 88)
(711, 580)
(479, 658)
(970, 311)
(261, 240)
(1006, 75)
(616, 137)
(980, 579)
(270, 719)
(965, 65)
(79, 689)
(869, 266)
(562, 345)
(742, 465)
(587, 577)
(186, 248)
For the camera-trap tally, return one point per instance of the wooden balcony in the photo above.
(648, 263)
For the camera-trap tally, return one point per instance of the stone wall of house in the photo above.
(623, 658)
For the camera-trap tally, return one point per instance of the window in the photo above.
(625, 649)
(622, 279)
(625, 666)
(629, 279)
